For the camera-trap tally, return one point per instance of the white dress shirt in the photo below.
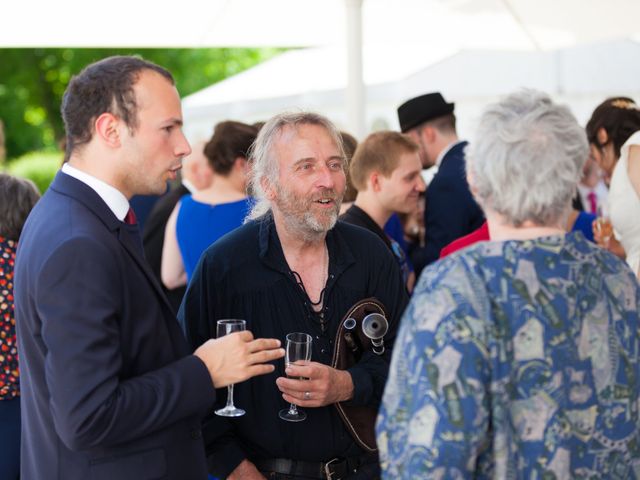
(601, 192)
(113, 197)
(445, 151)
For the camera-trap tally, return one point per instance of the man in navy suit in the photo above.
(450, 210)
(110, 390)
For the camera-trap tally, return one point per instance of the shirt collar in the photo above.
(445, 151)
(364, 217)
(114, 198)
(270, 249)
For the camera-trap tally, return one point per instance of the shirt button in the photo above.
(196, 434)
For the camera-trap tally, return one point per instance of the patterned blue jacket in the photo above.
(517, 359)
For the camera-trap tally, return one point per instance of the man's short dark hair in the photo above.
(17, 198)
(103, 87)
(444, 124)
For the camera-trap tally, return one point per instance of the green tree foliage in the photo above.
(32, 82)
(39, 167)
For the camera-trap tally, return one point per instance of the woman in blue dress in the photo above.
(199, 219)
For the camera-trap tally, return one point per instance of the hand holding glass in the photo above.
(603, 226)
(225, 327)
(297, 350)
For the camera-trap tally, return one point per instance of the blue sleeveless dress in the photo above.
(200, 224)
(584, 220)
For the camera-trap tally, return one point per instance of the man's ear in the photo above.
(602, 136)
(107, 129)
(428, 134)
(241, 164)
(374, 181)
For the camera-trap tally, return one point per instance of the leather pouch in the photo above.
(354, 337)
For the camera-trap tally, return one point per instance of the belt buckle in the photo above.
(327, 469)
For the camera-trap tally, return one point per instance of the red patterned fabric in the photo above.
(9, 373)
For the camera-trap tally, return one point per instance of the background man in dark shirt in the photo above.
(293, 269)
(385, 171)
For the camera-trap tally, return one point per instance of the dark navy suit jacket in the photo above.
(450, 210)
(109, 390)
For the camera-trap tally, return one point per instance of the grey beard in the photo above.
(308, 227)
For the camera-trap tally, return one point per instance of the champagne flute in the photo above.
(225, 327)
(297, 350)
(603, 225)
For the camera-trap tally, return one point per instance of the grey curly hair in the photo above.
(527, 158)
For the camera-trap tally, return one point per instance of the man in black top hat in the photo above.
(450, 210)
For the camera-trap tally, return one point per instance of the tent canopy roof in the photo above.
(522, 24)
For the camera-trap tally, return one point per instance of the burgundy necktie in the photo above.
(130, 217)
(591, 196)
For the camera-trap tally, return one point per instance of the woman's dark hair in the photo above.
(620, 118)
(103, 87)
(17, 198)
(230, 140)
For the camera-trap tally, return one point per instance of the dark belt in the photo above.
(335, 469)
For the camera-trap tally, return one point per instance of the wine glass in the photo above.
(603, 225)
(297, 350)
(225, 327)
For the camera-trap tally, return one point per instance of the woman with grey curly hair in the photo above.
(517, 358)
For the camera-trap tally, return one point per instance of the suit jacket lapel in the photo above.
(72, 187)
(133, 245)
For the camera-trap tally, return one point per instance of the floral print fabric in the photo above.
(517, 359)
(9, 385)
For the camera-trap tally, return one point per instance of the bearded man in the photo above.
(292, 268)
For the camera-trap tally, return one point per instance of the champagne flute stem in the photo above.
(230, 404)
(293, 409)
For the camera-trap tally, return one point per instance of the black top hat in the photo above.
(422, 109)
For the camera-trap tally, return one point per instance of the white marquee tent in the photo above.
(308, 79)
(537, 25)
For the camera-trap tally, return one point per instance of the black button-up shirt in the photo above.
(245, 275)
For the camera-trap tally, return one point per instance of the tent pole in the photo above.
(355, 83)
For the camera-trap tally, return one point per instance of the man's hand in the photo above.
(237, 357)
(246, 471)
(325, 385)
